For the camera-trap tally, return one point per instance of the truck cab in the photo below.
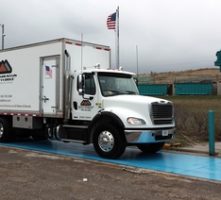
(107, 105)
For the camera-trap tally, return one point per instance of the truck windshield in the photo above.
(112, 84)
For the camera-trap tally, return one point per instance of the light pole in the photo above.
(137, 64)
(3, 35)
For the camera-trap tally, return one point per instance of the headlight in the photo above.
(135, 121)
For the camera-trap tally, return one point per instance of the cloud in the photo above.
(170, 34)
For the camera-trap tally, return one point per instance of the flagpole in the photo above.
(117, 39)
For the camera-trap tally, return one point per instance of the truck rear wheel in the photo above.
(151, 148)
(108, 140)
(4, 129)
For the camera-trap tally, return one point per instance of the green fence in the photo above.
(193, 88)
(178, 89)
(153, 89)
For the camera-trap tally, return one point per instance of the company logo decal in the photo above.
(5, 67)
(85, 105)
(6, 75)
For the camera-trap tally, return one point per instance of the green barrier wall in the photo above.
(153, 89)
(193, 88)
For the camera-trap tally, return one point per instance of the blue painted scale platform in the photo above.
(176, 163)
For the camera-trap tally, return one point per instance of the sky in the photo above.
(170, 35)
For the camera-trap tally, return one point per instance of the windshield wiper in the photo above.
(111, 92)
(116, 92)
(130, 92)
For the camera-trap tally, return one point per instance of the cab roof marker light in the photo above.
(97, 66)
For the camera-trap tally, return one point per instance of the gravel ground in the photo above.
(30, 175)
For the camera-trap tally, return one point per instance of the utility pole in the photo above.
(137, 64)
(3, 35)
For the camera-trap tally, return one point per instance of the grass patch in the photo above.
(191, 113)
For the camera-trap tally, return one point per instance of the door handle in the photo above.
(45, 99)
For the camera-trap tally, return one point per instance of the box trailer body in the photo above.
(35, 83)
(60, 88)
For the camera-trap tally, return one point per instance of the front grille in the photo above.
(162, 113)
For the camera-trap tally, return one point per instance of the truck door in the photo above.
(50, 76)
(84, 106)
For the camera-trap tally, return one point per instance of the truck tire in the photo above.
(108, 140)
(5, 128)
(151, 148)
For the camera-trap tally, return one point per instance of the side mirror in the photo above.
(81, 84)
(135, 80)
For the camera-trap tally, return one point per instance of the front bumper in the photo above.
(149, 136)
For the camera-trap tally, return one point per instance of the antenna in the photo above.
(81, 52)
(3, 35)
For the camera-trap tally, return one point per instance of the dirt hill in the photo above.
(197, 75)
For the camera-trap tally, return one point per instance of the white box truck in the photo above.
(65, 89)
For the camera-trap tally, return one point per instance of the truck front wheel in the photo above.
(151, 148)
(108, 140)
(4, 129)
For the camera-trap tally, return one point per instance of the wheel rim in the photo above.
(106, 141)
(1, 130)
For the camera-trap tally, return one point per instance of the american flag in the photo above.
(48, 71)
(111, 21)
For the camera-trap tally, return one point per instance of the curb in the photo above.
(195, 151)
